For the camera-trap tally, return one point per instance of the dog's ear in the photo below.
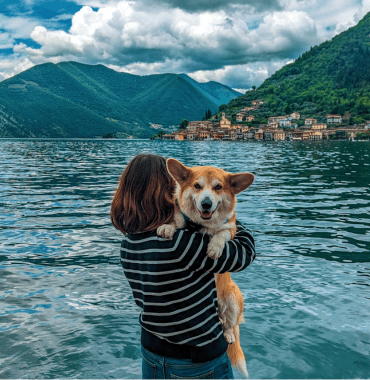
(240, 181)
(179, 172)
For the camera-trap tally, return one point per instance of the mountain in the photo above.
(333, 77)
(218, 93)
(70, 99)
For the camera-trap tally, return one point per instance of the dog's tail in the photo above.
(236, 355)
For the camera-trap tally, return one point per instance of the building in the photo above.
(240, 117)
(257, 103)
(295, 115)
(250, 118)
(310, 121)
(333, 119)
(315, 135)
(225, 122)
(278, 134)
(258, 134)
(319, 126)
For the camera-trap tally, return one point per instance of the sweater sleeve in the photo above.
(236, 256)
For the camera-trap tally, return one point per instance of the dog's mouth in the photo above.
(207, 215)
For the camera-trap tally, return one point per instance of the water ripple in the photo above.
(67, 310)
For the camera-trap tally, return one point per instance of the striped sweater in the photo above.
(173, 283)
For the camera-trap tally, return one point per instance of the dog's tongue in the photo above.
(206, 215)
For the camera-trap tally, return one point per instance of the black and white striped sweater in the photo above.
(173, 284)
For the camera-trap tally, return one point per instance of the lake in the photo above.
(66, 309)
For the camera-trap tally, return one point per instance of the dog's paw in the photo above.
(229, 336)
(214, 250)
(166, 230)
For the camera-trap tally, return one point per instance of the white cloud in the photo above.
(127, 36)
(12, 66)
(218, 40)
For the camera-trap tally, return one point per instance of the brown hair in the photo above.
(143, 200)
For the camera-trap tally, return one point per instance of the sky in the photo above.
(239, 43)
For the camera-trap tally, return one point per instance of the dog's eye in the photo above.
(197, 186)
(218, 187)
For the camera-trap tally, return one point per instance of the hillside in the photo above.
(333, 77)
(70, 99)
(218, 93)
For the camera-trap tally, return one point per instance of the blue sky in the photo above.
(236, 42)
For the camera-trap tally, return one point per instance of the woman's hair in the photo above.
(143, 200)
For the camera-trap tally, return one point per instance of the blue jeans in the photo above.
(160, 367)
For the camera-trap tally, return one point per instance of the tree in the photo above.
(208, 114)
(287, 109)
(222, 107)
(184, 124)
(161, 133)
(254, 88)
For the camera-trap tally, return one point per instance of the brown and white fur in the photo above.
(207, 196)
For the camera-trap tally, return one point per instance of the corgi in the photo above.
(207, 196)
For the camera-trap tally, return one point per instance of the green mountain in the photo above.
(70, 99)
(333, 77)
(218, 93)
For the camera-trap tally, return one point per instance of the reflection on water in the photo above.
(66, 308)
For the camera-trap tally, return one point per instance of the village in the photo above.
(279, 128)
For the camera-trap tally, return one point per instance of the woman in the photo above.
(172, 281)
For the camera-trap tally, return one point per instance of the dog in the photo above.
(207, 196)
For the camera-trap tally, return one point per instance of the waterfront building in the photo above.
(319, 126)
(225, 122)
(258, 134)
(278, 134)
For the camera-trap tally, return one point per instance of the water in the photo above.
(66, 310)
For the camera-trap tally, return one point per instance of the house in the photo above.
(257, 103)
(249, 135)
(310, 121)
(281, 120)
(333, 119)
(319, 126)
(250, 118)
(240, 117)
(204, 134)
(295, 115)
(268, 135)
(233, 135)
(192, 136)
(275, 119)
(180, 136)
(316, 135)
(278, 134)
(192, 126)
(301, 135)
(258, 134)
(289, 134)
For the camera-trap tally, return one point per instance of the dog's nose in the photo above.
(206, 203)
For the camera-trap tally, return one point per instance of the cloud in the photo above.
(240, 76)
(13, 65)
(126, 36)
(239, 43)
(193, 6)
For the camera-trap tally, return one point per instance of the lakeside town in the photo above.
(278, 128)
